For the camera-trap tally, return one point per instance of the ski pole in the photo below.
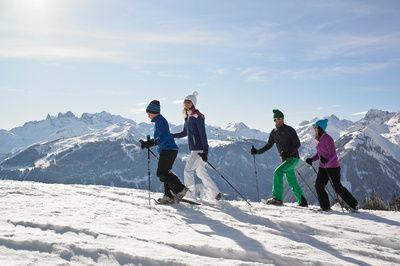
(229, 183)
(330, 179)
(148, 166)
(303, 179)
(255, 171)
(330, 194)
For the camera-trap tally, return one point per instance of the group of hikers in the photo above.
(284, 136)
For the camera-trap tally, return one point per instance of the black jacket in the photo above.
(286, 140)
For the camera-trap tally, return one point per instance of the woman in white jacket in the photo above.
(194, 129)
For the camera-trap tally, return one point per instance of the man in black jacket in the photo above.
(288, 143)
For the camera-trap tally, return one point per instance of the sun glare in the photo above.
(38, 4)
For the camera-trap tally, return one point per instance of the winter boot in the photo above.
(303, 202)
(178, 196)
(273, 201)
(166, 200)
(324, 209)
(219, 196)
(355, 209)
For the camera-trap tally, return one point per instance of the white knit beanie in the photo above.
(192, 97)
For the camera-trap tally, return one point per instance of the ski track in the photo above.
(53, 224)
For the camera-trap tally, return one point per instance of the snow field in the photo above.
(53, 224)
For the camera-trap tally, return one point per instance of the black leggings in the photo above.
(171, 181)
(323, 179)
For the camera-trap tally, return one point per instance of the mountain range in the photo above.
(103, 149)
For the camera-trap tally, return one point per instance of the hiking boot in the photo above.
(219, 196)
(303, 202)
(166, 200)
(355, 209)
(178, 196)
(273, 201)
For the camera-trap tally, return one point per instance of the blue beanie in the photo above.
(153, 107)
(322, 124)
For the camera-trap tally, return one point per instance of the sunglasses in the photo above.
(187, 101)
(278, 119)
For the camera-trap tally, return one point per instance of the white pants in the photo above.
(196, 163)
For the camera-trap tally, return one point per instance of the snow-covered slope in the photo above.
(53, 224)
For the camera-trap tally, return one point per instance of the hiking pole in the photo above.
(148, 166)
(255, 171)
(330, 179)
(330, 194)
(303, 179)
(229, 183)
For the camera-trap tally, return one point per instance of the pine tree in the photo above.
(395, 204)
(374, 202)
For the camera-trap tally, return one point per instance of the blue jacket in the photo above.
(195, 130)
(162, 134)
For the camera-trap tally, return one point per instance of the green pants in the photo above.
(287, 168)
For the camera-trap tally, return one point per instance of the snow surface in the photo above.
(53, 224)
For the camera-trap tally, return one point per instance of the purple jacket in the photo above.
(326, 147)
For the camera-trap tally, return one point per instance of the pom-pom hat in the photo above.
(192, 97)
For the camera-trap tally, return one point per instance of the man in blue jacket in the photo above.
(195, 131)
(168, 150)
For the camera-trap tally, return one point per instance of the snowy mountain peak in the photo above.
(68, 114)
(236, 126)
(333, 118)
(377, 116)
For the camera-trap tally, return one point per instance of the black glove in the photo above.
(203, 155)
(309, 161)
(148, 144)
(253, 150)
(285, 155)
(323, 159)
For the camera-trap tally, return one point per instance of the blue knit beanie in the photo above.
(153, 107)
(322, 124)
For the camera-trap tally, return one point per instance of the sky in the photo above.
(307, 58)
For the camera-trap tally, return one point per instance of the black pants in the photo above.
(323, 179)
(171, 181)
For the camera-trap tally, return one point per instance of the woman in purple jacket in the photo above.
(329, 167)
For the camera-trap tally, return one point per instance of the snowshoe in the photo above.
(165, 200)
(273, 201)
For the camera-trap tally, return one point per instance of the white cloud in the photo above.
(359, 113)
(113, 92)
(220, 71)
(141, 104)
(180, 101)
(138, 110)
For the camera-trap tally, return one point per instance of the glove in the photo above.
(309, 161)
(148, 144)
(285, 155)
(204, 156)
(253, 150)
(142, 144)
(323, 159)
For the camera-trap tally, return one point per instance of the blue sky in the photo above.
(306, 58)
